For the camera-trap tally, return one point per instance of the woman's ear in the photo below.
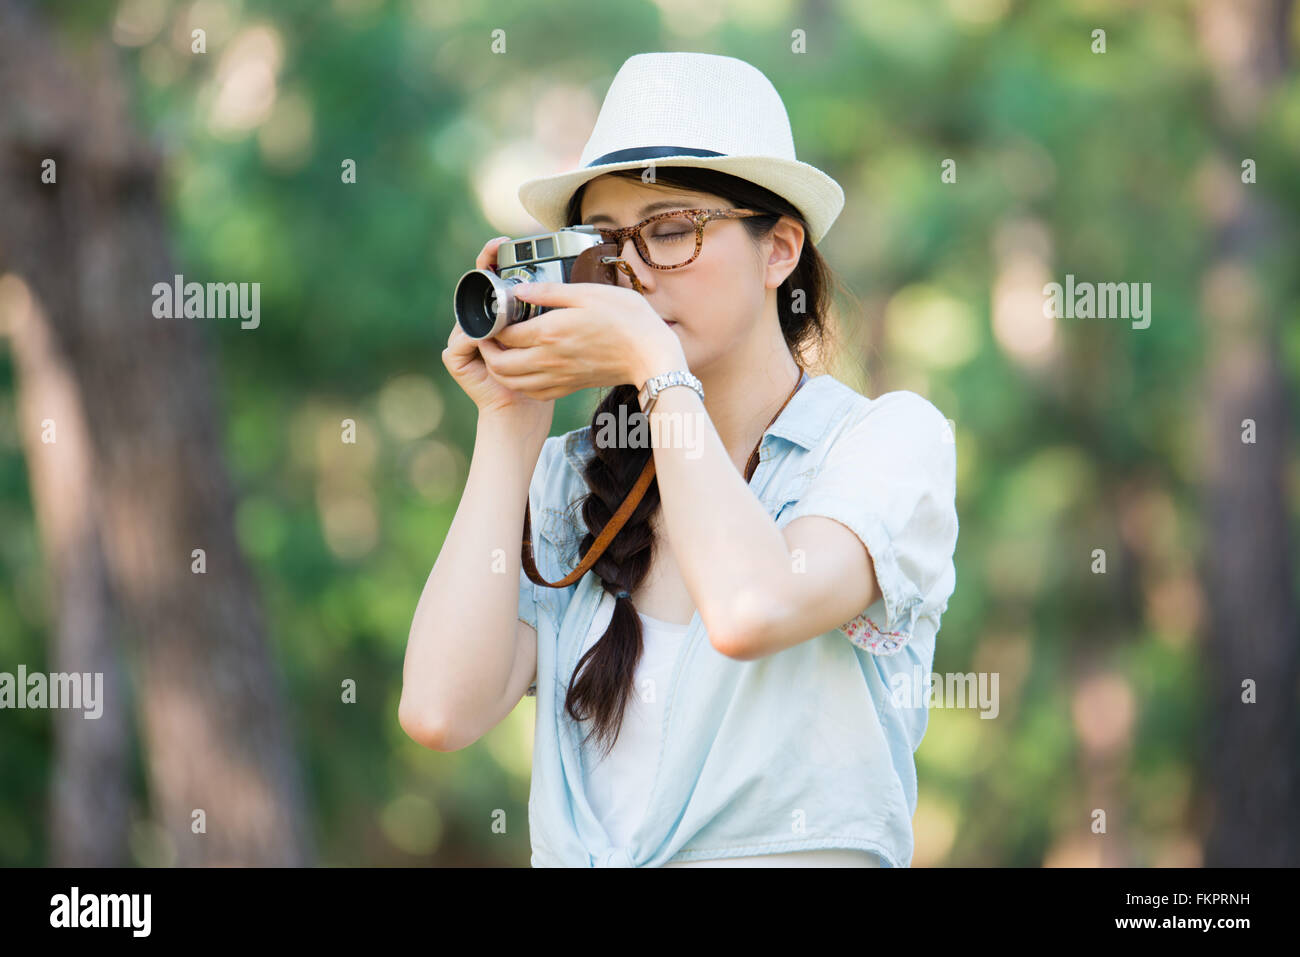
(785, 245)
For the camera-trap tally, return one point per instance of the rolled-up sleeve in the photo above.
(890, 477)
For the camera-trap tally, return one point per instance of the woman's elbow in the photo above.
(422, 727)
(741, 631)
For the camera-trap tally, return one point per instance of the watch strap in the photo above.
(664, 380)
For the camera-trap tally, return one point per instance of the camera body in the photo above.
(484, 302)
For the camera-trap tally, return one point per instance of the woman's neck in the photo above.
(744, 391)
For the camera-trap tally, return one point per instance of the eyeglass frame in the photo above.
(699, 216)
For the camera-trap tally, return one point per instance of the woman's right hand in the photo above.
(463, 361)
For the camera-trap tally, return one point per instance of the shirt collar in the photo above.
(809, 414)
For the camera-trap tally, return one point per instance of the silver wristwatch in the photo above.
(649, 392)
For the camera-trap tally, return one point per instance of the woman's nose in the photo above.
(632, 256)
(625, 269)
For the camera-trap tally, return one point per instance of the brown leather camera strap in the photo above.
(624, 512)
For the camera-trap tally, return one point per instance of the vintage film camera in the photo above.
(484, 302)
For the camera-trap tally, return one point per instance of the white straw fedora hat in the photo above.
(692, 109)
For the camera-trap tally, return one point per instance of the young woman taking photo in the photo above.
(733, 680)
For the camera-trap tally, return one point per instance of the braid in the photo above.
(600, 690)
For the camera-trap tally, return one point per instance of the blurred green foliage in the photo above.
(1098, 165)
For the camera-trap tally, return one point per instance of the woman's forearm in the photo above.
(462, 640)
(732, 557)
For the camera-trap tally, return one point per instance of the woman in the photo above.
(731, 682)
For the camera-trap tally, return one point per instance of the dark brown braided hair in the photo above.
(600, 690)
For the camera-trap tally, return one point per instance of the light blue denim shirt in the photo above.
(806, 748)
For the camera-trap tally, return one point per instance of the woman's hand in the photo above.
(595, 336)
(465, 363)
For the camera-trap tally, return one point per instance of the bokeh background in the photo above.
(1163, 690)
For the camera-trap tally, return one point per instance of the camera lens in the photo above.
(478, 304)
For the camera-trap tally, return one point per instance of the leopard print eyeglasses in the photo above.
(664, 240)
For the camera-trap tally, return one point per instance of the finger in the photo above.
(555, 293)
(491, 353)
(509, 361)
(492, 358)
(535, 385)
(458, 343)
(514, 362)
(521, 335)
(487, 257)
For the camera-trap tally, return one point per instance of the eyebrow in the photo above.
(642, 213)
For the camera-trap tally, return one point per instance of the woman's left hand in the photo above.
(594, 336)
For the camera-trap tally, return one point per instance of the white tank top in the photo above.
(618, 784)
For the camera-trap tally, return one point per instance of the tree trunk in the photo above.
(1250, 771)
(91, 246)
(88, 822)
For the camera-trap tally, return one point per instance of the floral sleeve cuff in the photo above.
(881, 631)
